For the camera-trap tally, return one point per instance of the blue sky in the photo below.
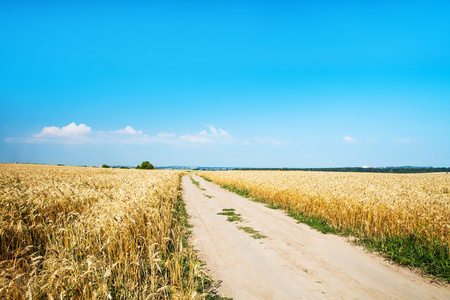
(225, 83)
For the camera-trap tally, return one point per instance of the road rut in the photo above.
(294, 261)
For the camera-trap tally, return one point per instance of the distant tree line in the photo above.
(121, 167)
(145, 165)
(358, 169)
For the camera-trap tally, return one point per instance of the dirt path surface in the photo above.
(294, 261)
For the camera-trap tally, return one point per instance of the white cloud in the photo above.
(163, 138)
(71, 130)
(405, 141)
(70, 134)
(200, 138)
(213, 136)
(128, 130)
(83, 134)
(349, 139)
(129, 135)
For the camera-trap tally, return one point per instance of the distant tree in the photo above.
(146, 165)
(105, 166)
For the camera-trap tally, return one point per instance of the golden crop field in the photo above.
(376, 205)
(92, 233)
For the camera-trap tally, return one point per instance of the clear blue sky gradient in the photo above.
(290, 83)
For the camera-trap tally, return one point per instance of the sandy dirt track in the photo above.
(294, 261)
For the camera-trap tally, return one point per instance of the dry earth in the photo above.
(294, 261)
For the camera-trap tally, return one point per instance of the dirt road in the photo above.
(294, 261)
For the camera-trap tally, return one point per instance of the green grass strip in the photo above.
(253, 233)
(195, 182)
(412, 250)
(232, 216)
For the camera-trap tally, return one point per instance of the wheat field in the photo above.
(369, 204)
(92, 233)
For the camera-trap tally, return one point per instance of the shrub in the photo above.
(145, 166)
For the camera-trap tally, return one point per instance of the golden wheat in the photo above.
(372, 204)
(89, 233)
